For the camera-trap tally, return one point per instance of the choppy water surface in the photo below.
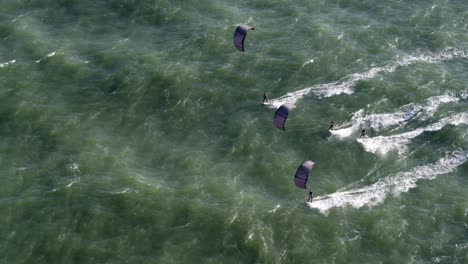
(132, 132)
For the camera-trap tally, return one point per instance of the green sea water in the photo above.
(132, 131)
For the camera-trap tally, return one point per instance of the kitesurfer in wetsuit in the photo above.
(332, 124)
(265, 98)
(363, 133)
(311, 197)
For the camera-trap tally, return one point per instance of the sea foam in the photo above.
(381, 121)
(346, 84)
(393, 184)
(384, 144)
(7, 63)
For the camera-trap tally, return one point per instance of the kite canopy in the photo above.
(281, 115)
(302, 174)
(239, 36)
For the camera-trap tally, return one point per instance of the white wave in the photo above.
(7, 63)
(382, 121)
(384, 144)
(345, 132)
(393, 184)
(433, 104)
(464, 94)
(47, 56)
(309, 61)
(274, 209)
(348, 129)
(346, 84)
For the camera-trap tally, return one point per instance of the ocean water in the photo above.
(133, 131)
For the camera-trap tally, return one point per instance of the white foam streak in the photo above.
(309, 61)
(464, 94)
(346, 132)
(346, 84)
(7, 63)
(382, 121)
(347, 129)
(383, 144)
(393, 184)
(47, 56)
(433, 104)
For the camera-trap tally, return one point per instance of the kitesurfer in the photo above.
(311, 197)
(265, 98)
(332, 124)
(363, 133)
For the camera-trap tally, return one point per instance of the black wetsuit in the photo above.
(363, 133)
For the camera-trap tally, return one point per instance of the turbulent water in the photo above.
(133, 131)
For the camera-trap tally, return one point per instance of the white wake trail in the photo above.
(383, 121)
(4, 64)
(346, 84)
(384, 144)
(393, 184)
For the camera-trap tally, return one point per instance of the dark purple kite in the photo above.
(281, 115)
(239, 36)
(302, 173)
